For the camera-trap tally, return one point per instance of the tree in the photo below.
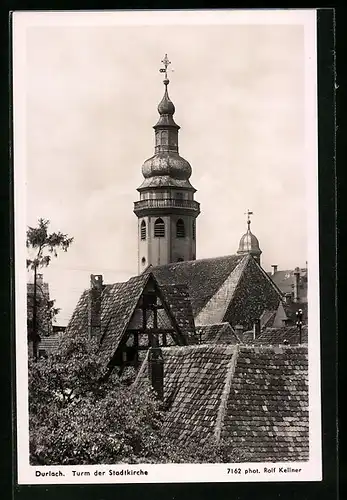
(43, 246)
(79, 418)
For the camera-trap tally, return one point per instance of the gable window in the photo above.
(159, 228)
(194, 229)
(180, 229)
(143, 230)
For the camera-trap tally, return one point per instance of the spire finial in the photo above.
(166, 63)
(248, 213)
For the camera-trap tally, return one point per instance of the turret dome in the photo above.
(249, 243)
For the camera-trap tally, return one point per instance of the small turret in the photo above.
(249, 243)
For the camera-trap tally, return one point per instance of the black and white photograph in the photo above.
(166, 246)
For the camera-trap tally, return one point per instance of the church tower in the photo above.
(167, 210)
(249, 243)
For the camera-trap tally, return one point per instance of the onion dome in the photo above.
(172, 165)
(166, 110)
(166, 106)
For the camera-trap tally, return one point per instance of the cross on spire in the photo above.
(166, 63)
(248, 213)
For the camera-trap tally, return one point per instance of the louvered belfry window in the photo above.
(180, 229)
(143, 230)
(159, 228)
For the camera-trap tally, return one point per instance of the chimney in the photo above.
(156, 370)
(256, 329)
(94, 305)
(296, 284)
(274, 269)
(238, 329)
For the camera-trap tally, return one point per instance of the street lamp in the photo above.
(299, 323)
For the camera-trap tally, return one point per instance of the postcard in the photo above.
(166, 246)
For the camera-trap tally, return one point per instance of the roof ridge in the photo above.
(225, 394)
(139, 375)
(220, 257)
(226, 291)
(248, 347)
(213, 324)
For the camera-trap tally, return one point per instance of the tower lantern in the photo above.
(166, 210)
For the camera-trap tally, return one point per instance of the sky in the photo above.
(91, 96)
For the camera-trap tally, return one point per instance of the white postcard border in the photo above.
(309, 471)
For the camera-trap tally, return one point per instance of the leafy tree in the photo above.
(42, 246)
(78, 417)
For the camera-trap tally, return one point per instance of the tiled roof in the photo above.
(286, 334)
(248, 337)
(118, 303)
(256, 398)
(267, 318)
(203, 277)
(280, 316)
(78, 323)
(178, 300)
(292, 307)
(194, 380)
(218, 333)
(118, 311)
(285, 281)
(267, 409)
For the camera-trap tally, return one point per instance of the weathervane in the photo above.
(166, 63)
(248, 213)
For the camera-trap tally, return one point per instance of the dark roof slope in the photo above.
(218, 333)
(78, 323)
(178, 301)
(254, 397)
(203, 277)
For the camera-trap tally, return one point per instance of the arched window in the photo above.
(143, 230)
(194, 229)
(180, 229)
(159, 228)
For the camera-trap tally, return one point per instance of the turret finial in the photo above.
(248, 213)
(166, 63)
